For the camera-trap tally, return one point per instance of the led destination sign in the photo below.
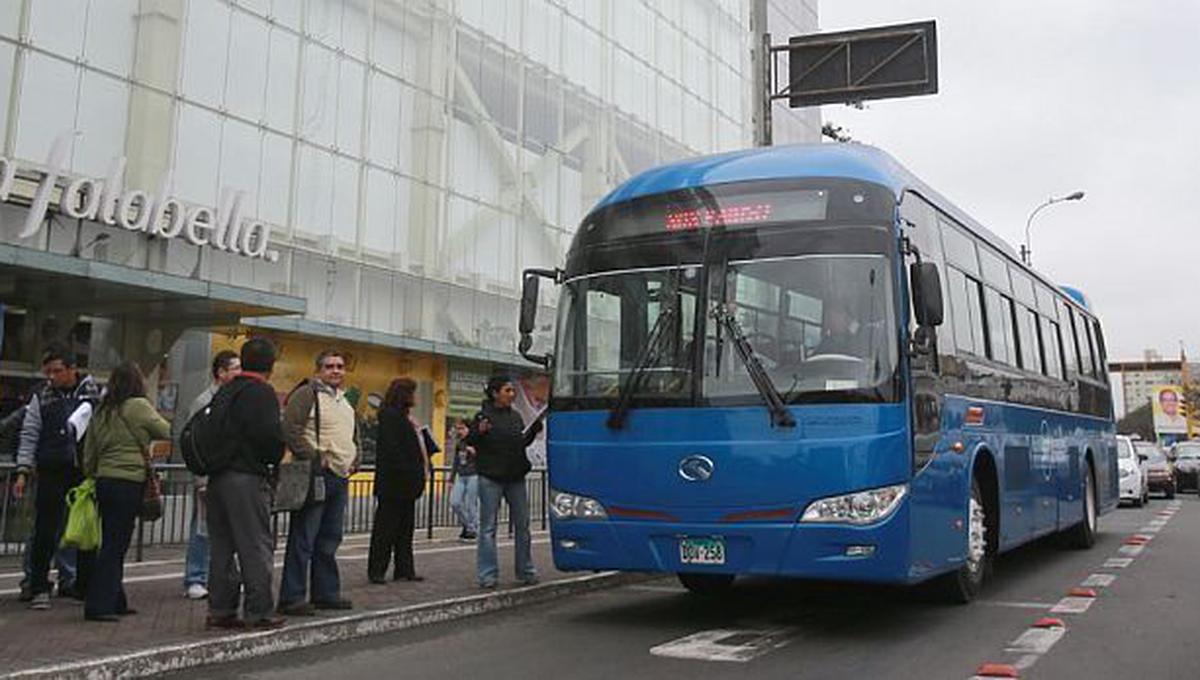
(748, 209)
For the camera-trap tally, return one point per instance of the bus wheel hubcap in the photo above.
(977, 541)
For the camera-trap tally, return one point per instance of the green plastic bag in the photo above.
(83, 522)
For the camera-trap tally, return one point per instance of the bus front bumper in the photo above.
(872, 553)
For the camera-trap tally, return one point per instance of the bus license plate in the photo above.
(702, 551)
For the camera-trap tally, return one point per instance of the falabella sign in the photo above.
(107, 201)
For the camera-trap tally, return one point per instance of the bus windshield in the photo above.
(605, 322)
(819, 324)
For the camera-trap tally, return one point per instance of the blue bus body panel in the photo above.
(781, 162)
(758, 470)
(834, 449)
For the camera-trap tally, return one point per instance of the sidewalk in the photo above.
(32, 639)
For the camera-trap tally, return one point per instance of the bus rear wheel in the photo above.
(1083, 535)
(962, 585)
(706, 584)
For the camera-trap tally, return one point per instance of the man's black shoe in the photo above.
(341, 604)
(296, 609)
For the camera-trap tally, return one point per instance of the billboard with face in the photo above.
(1167, 403)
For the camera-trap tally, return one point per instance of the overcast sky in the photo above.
(1042, 98)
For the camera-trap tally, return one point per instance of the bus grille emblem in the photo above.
(696, 468)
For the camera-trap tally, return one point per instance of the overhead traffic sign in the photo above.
(872, 63)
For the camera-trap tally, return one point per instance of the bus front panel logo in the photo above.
(696, 468)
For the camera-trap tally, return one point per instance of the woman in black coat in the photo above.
(400, 469)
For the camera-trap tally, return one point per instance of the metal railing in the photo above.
(179, 498)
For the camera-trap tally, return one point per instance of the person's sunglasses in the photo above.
(330, 367)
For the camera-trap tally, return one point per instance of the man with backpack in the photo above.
(47, 449)
(321, 426)
(240, 438)
(226, 366)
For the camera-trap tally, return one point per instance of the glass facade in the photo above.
(410, 156)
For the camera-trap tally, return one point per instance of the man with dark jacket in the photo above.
(500, 439)
(239, 497)
(47, 450)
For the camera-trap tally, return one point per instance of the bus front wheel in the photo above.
(962, 585)
(706, 584)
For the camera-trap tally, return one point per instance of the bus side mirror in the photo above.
(926, 285)
(529, 305)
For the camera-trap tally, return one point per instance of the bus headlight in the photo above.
(863, 507)
(565, 505)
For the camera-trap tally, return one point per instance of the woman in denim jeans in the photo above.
(464, 494)
(500, 438)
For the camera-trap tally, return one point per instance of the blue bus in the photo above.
(802, 361)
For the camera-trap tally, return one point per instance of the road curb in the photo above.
(239, 647)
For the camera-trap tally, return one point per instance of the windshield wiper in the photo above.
(648, 357)
(758, 375)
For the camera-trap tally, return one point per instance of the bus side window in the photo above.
(1100, 351)
(1052, 350)
(975, 302)
(960, 311)
(1078, 327)
(1071, 363)
(1026, 321)
(1000, 328)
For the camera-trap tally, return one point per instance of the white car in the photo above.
(1135, 482)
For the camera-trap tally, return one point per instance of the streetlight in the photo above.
(1026, 251)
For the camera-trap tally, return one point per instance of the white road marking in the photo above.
(1098, 581)
(1036, 640)
(1072, 605)
(1150, 529)
(1117, 562)
(279, 563)
(1131, 550)
(725, 644)
(1016, 605)
(1025, 662)
(657, 589)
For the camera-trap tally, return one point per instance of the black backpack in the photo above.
(207, 441)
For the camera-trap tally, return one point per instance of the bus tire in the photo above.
(963, 584)
(706, 584)
(1083, 535)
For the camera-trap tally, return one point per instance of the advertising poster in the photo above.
(1167, 404)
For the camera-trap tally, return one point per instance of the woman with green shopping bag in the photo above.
(116, 455)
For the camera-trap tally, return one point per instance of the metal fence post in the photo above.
(429, 504)
(545, 498)
(140, 544)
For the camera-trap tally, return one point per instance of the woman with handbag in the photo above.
(116, 455)
(401, 464)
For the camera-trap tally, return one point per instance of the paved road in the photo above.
(1143, 624)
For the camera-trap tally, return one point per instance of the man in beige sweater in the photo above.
(319, 425)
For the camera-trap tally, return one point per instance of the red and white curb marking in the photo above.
(1038, 639)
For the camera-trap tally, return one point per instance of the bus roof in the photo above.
(843, 160)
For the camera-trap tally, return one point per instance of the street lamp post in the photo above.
(1026, 250)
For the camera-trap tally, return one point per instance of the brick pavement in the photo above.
(30, 639)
